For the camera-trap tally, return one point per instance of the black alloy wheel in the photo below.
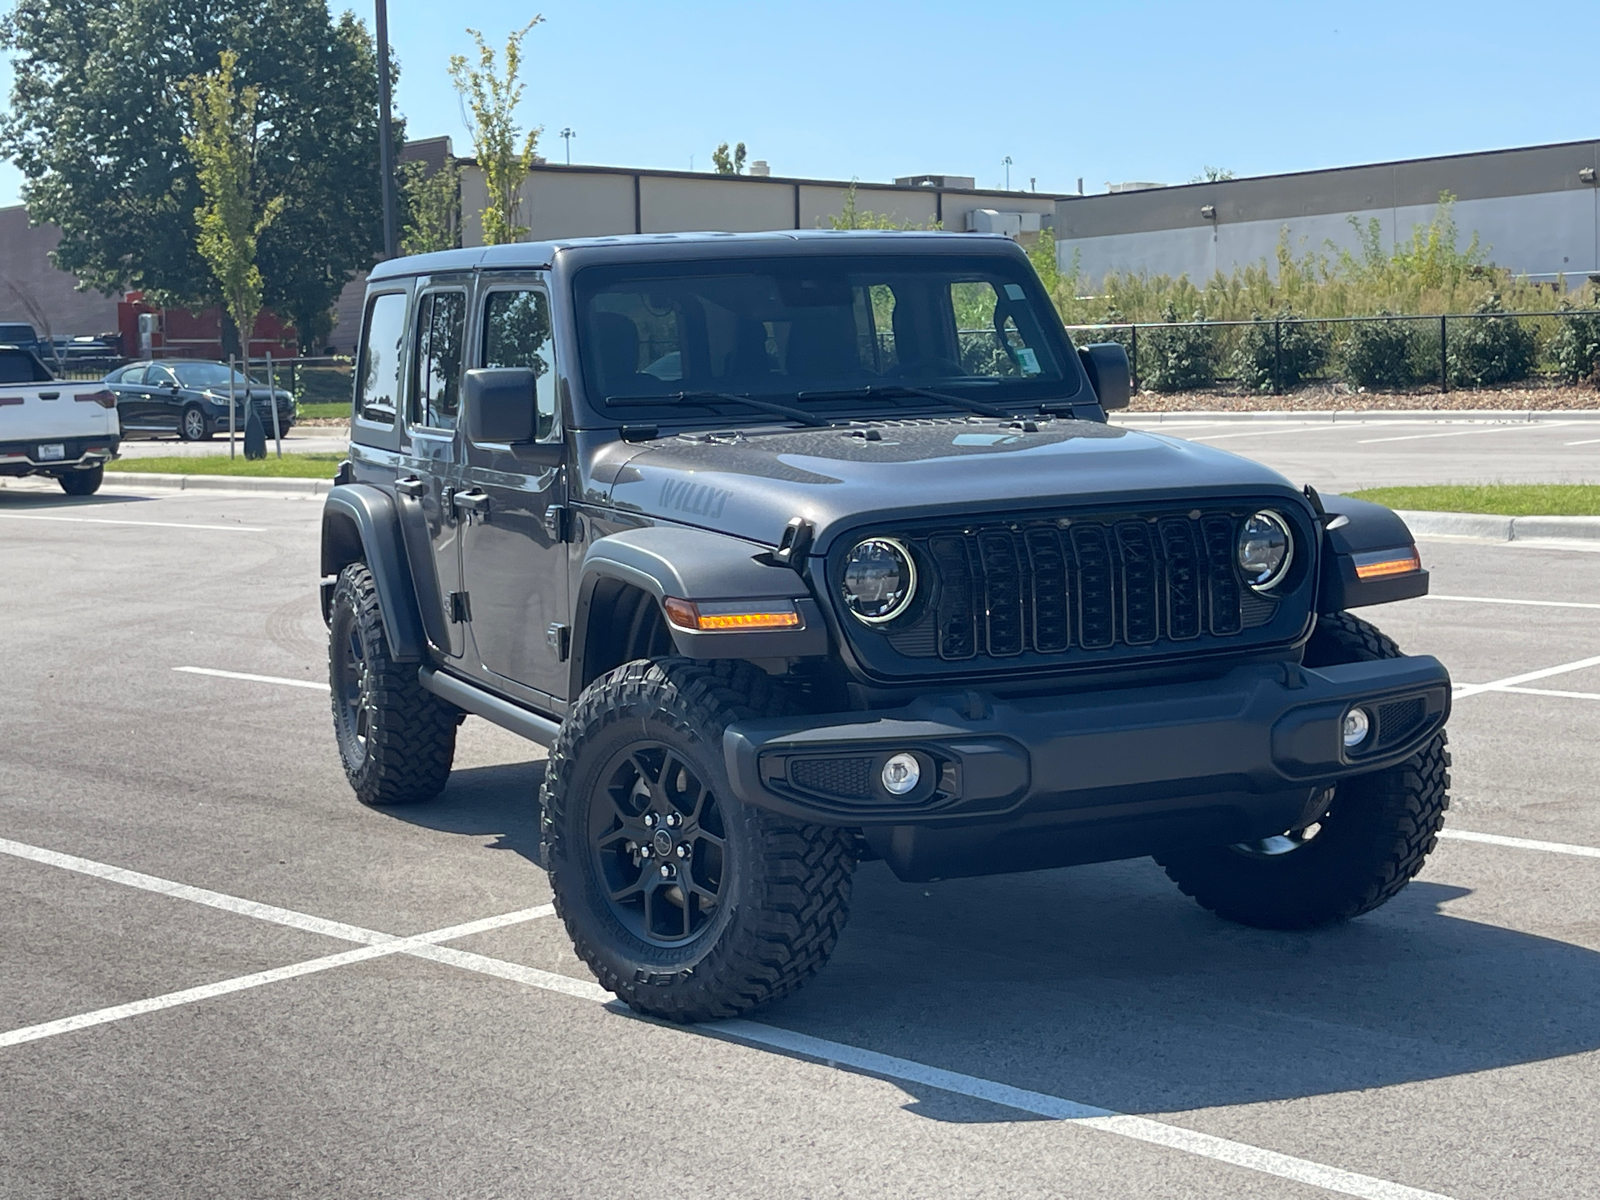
(660, 846)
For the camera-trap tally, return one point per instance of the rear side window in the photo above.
(516, 333)
(382, 339)
(130, 375)
(441, 338)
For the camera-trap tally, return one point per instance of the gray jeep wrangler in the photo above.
(803, 549)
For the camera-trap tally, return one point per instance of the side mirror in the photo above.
(1106, 364)
(500, 405)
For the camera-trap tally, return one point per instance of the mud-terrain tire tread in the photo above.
(1405, 805)
(787, 922)
(412, 744)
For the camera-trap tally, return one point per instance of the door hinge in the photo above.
(460, 607)
(558, 523)
(558, 638)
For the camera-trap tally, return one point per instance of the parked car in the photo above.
(24, 337)
(870, 576)
(189, 397)
(54, 427)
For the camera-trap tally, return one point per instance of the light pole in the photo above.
(1007, 161)
(391, 239)
(567, 135)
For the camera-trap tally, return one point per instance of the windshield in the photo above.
(209, 375)
(783, 327)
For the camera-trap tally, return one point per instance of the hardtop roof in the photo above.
(651, 247)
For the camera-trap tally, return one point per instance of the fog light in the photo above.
(1356, 727)
(901, 774)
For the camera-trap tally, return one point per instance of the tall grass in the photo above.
(1431, 273)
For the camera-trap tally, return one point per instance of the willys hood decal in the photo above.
(751, 485)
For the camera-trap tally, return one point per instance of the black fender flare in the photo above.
(360, 522)
(1357, 531)
(699, 565)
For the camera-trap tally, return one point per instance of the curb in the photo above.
(1347, 416)
(1501, 529)
(223, 483)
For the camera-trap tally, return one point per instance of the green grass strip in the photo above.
(290, 466)
(310, 412)
(1499, 499)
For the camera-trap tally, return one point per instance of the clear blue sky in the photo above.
(1107, 91)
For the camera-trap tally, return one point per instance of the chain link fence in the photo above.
(1274, 355)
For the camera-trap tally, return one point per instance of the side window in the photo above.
(132, 376)
(160, 376)
(516, 333)
(378, 376)
(441, 337)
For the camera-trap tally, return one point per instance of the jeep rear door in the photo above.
(513, 552)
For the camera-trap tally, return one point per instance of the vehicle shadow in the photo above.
(1105, 985)
(18, 499)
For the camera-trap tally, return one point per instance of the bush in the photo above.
(1287, 354)
(1180, 358)
(1383, 353)
(1492, 349)
(1575, 349)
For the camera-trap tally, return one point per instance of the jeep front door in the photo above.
(513, 549)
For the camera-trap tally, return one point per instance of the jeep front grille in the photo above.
(1078, 587)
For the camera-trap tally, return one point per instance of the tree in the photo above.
(728, 164)
(96, 124)
(431, 202)
(491, 97)
(852, 217)
(1211, 175)
(233, 213)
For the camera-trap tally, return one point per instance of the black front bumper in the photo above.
(1021, 783)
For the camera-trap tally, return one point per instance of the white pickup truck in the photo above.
(52, 426)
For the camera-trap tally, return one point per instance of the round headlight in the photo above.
(1266, 549)
(879, 579)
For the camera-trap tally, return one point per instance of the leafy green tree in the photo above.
(232, 213)
(96, 124)
(728, 164)
(431, 202)
(1211, 175)
(505, 154)
(852, 216)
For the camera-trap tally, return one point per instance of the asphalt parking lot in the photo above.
(1348, 453)
(223, 976)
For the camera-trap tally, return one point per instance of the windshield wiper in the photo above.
(782, 410)
(904, 389)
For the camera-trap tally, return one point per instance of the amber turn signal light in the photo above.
(725, 617)
(1387, 562)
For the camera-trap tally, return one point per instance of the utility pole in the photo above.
(1007, 161)
(567, 135)
(391, 235)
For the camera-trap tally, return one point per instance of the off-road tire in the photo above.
(1377, 832)
(411, 733)
(786, 885)
(82, 483)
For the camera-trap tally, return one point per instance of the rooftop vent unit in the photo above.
(959, 182)
(1012, 224)
(1132, 186)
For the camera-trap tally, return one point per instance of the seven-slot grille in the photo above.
(1079, 584)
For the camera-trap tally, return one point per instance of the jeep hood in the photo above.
(751, 484)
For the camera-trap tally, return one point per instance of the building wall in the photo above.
(562, 202)
(1531, 210)
(27, 276)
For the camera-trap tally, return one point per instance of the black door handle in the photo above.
(411, 486)
(475, 501)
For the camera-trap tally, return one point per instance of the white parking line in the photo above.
(1516, 843)
(209, 991)
(1584, 442)
(1472, 689)
(1497, 600)
(1522, 691)
(147, 524)
(1521, 426)
(1224, 437)
(315, 684)
(1141, 1129)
